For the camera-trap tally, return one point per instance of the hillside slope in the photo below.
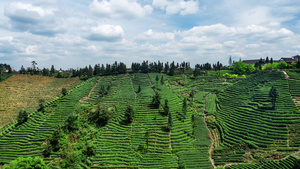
(22, 92)
(254, 126)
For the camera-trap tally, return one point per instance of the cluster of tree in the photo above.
(129, 114)
(147, 67)
(30, 70)
(75, 138)
(243, 68)
(158, 67)
(109, 69)
(206, 67)
(27, 162)
(5, 67)
(281, 65)
(36, 71)
(261, 62)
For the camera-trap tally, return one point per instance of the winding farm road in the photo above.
(211, 147)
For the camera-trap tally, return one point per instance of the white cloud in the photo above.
(7, 45)
(26, 12)
(119, 9)
(108, 33)
(220, 31)
(177, 6)
(252, 45)
(160, 36)
(230, 44)
(31, 50)
(34, 19)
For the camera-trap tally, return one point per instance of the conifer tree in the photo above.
(166, 108)
(129, 114)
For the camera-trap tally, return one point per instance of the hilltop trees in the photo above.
(172, 69)
(230, 61)
(33, 65)
(52, 70)
(22, 70)
(243, 68)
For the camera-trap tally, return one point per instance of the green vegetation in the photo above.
(22, 117)
(166, 119)
(29, 162)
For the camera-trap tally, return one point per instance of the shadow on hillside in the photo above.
(165, 129)
(124, 123)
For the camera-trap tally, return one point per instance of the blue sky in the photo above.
(72, 34)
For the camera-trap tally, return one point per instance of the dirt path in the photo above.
(133, 90)
(286, 75)
(94, 87)
(211, 147)
(88, 96)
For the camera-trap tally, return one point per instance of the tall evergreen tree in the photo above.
(166, 107)
(167, 67)
(267, 60)
(172, 69)
(52, 70)
(230, 61)
(271, 61)
(129, 114)
(156, 100)
(22, 70)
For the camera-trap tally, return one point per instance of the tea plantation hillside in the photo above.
(23, 92)
(155, 120)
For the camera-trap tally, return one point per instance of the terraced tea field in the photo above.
(27, 139)
(247, 130)
(22, 92)
(247, 116)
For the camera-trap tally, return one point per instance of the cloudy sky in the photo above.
(76, 33)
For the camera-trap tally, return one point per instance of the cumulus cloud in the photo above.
(34, 19)
(221, 30)
(109, 33)
(158, 36)
(119, 9)
(177, 6)
(6, 45)
(9, 46)
(31, 50)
